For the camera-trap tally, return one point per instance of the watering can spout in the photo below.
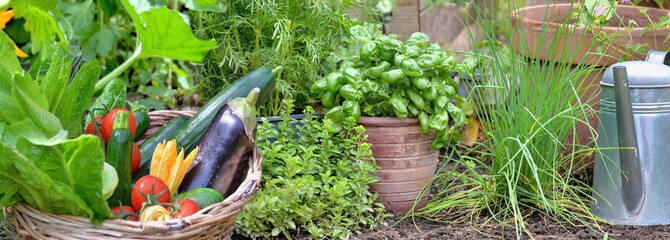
(633, 187)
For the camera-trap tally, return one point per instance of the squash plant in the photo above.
(157, 51)
(384, 77)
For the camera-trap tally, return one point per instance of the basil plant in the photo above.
(383, 77)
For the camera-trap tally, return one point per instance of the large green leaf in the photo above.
(31, 88)
(80, 161)
(60, 176)
(78, 97)
(41, 24)
(54, 82)
(98, 40)
(37, 188)
(45, 120)
(164, 33)
(26, 128)
(44, 5)
(9, 111)
(39, 68)
(8, 56)
(79, 14)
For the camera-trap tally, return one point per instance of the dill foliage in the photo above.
(295, 34)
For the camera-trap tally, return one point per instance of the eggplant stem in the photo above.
(276, 70)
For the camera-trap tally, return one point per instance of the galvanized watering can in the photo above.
(632, 181)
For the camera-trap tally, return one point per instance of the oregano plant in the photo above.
(315, 182)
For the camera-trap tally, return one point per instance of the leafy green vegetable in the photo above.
(59, 176)
(45, 120)
(53, 104)
(77, 98)
(54, 82)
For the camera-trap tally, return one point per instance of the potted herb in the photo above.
(400, 93)
(294, 34)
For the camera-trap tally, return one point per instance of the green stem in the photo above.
(118, 70)
(175, 5)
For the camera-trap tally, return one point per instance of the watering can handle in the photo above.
(633, 187)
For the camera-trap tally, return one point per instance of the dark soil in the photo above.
(540, 228)
(537, 225)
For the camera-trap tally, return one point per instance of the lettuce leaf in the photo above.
(61, 176)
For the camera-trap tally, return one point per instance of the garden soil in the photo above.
(539, 227)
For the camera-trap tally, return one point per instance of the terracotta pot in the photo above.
(407, 162)
(531, 19)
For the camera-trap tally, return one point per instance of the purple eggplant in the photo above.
(226, 148)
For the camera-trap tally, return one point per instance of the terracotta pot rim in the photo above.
(518, 14)
(387, 121)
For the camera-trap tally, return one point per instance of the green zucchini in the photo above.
(142, 120)
(189, 135)
(119, 155)
(202, 196)
(113, 96)
(149, 145)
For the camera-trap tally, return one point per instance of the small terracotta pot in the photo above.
(407, 162)
(531, 20)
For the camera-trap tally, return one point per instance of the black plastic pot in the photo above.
(275, 120)
(466, 83)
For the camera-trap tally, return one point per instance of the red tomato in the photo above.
(142, 192)
(90, 128)
(124, 212)
(108, 122)
(137, 157)
(187, 207)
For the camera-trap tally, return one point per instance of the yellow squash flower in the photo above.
(155, 213)
(5, 16)
(169, 166)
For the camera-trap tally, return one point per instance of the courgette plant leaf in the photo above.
(54, 82)
(77, 98)
(164, 33)
(40, 23)
(44, 5)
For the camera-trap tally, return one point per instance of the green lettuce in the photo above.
(61, 176)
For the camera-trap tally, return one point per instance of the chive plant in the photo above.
(535, 107)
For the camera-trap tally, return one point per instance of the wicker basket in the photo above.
(213, 222)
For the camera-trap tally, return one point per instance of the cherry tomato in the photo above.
(108, 122)
(124, 212)
(137, 158)
(90, 128)
(187, 207)
(142, 192)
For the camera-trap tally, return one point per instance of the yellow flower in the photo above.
(5, 16)
(169, 166)
(155, 213)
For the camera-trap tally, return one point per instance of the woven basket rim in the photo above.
(31, 222)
